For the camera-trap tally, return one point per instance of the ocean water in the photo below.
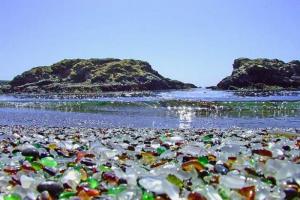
(196, 108)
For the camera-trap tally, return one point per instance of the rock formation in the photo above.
(262, 74)
(93, 75)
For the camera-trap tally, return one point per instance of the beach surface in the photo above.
(147, 163)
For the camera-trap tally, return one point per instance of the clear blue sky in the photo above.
(192, 40)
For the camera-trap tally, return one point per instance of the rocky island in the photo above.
(92, 76)
(262, 74)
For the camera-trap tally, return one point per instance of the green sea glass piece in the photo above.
(93, 183)
(29, 158)
(160, 150)
(48, 162)
(104, 168)
(67, 195)
(116, 190)
(147, 196)
(203, 160)
(207, 138)
(36, 166)
(12, 197)
(175, 180)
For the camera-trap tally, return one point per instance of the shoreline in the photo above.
(269, 130)
(142, 93)
(148, 163)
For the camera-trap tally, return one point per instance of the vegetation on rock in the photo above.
(262, 74)
(92, 76)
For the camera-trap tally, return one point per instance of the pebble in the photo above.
(27, 182)
(233, 181)
(52, 187)
(30, 152)
(221, 169)
(88, 162)
(196, 196)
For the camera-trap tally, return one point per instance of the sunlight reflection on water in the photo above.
(186, 115)
(202, 108)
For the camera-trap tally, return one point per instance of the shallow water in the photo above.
(198, 108)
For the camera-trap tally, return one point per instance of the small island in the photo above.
(262, 74)
(93, 76)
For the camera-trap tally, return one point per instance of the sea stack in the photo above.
(92, 76)
(262, 74)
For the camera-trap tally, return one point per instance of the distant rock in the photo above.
(262, 74)
(4, 82)
(212, 87)
(92, 76)
(4, 85)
